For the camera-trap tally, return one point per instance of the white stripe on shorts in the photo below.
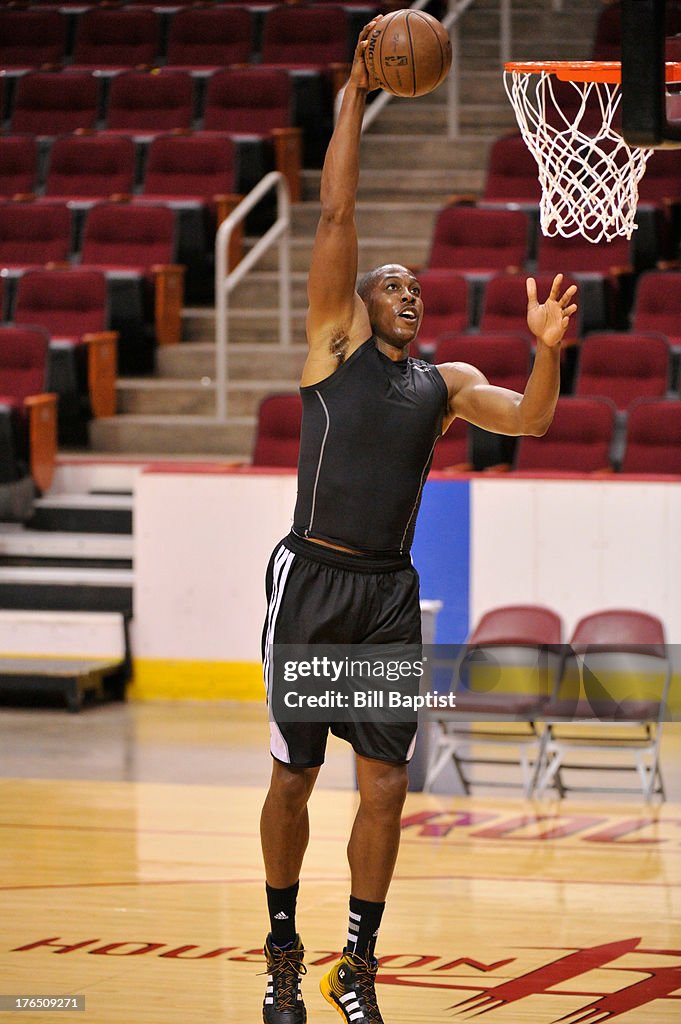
(282, 566)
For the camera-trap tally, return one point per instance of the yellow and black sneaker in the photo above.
(283, 1000)
(349, 986)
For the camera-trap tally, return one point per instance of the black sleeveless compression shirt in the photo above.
(366, 445)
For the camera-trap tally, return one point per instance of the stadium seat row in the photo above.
(111, 38)
(197, 174)
(586, 436)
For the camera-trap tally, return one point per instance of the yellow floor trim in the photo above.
(169, 679)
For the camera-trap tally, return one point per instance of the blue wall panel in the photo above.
(441, 554)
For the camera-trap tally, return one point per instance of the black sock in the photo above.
(281, 904)
(364, 922)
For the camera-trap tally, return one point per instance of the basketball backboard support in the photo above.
(647, 114)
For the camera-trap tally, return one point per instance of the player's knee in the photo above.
(292, 786)
(385, 789)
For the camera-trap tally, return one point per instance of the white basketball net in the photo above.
(589, 179)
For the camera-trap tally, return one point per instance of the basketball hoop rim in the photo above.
(609, 71)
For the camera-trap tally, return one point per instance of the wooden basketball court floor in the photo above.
(132, 877)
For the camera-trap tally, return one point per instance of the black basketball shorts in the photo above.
(317, 595)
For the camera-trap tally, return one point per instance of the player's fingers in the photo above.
(531, 291)
(568, 294)
(555, 287)
(366, 30)
(569, 310)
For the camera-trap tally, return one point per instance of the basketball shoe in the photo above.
(283, 1000)
(349, 986)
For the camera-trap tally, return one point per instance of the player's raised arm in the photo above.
(337, 320)
(473, 398)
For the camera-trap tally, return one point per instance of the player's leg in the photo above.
(284, 832)
(375, 837)
(298, 752)
(284, 822)
(383, 750)
(372, 853)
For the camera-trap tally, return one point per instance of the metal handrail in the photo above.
(226, 281)
(451, 22)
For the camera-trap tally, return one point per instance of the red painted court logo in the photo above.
(644, 978)
(658, 982)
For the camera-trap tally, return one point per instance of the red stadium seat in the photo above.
(196, 175)
(67, 303)
(34, 234)
(258, 101)
(128, 235)
(23, 388)
(150, 103)
(446, 307)
(578, 440)
(52, 103)
(31, 39)
(657, 305)
(111, 39)
(475, 240)
(72, 306)
(139, 239)
(18, 165)
(278, 435)
(314, 36)
(90, 166)
(623, 367)
(512, 175)
(311, 42)
(210, 38)
(195, 166)
(653, 442)
(23, 363)
(248, 100)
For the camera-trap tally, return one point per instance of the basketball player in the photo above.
(371, 419)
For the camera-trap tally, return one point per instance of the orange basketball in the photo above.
(409, 52)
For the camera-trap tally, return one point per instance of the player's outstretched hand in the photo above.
(549, 321)
(359, 73)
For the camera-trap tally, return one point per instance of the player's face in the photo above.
(395, 306)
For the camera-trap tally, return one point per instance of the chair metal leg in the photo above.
(540, 762)
(438, 760)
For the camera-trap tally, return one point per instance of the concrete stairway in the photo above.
(409, 169)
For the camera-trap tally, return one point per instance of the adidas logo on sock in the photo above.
(281, 916)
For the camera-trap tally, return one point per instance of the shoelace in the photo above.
(365, 980)
(287, 968)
